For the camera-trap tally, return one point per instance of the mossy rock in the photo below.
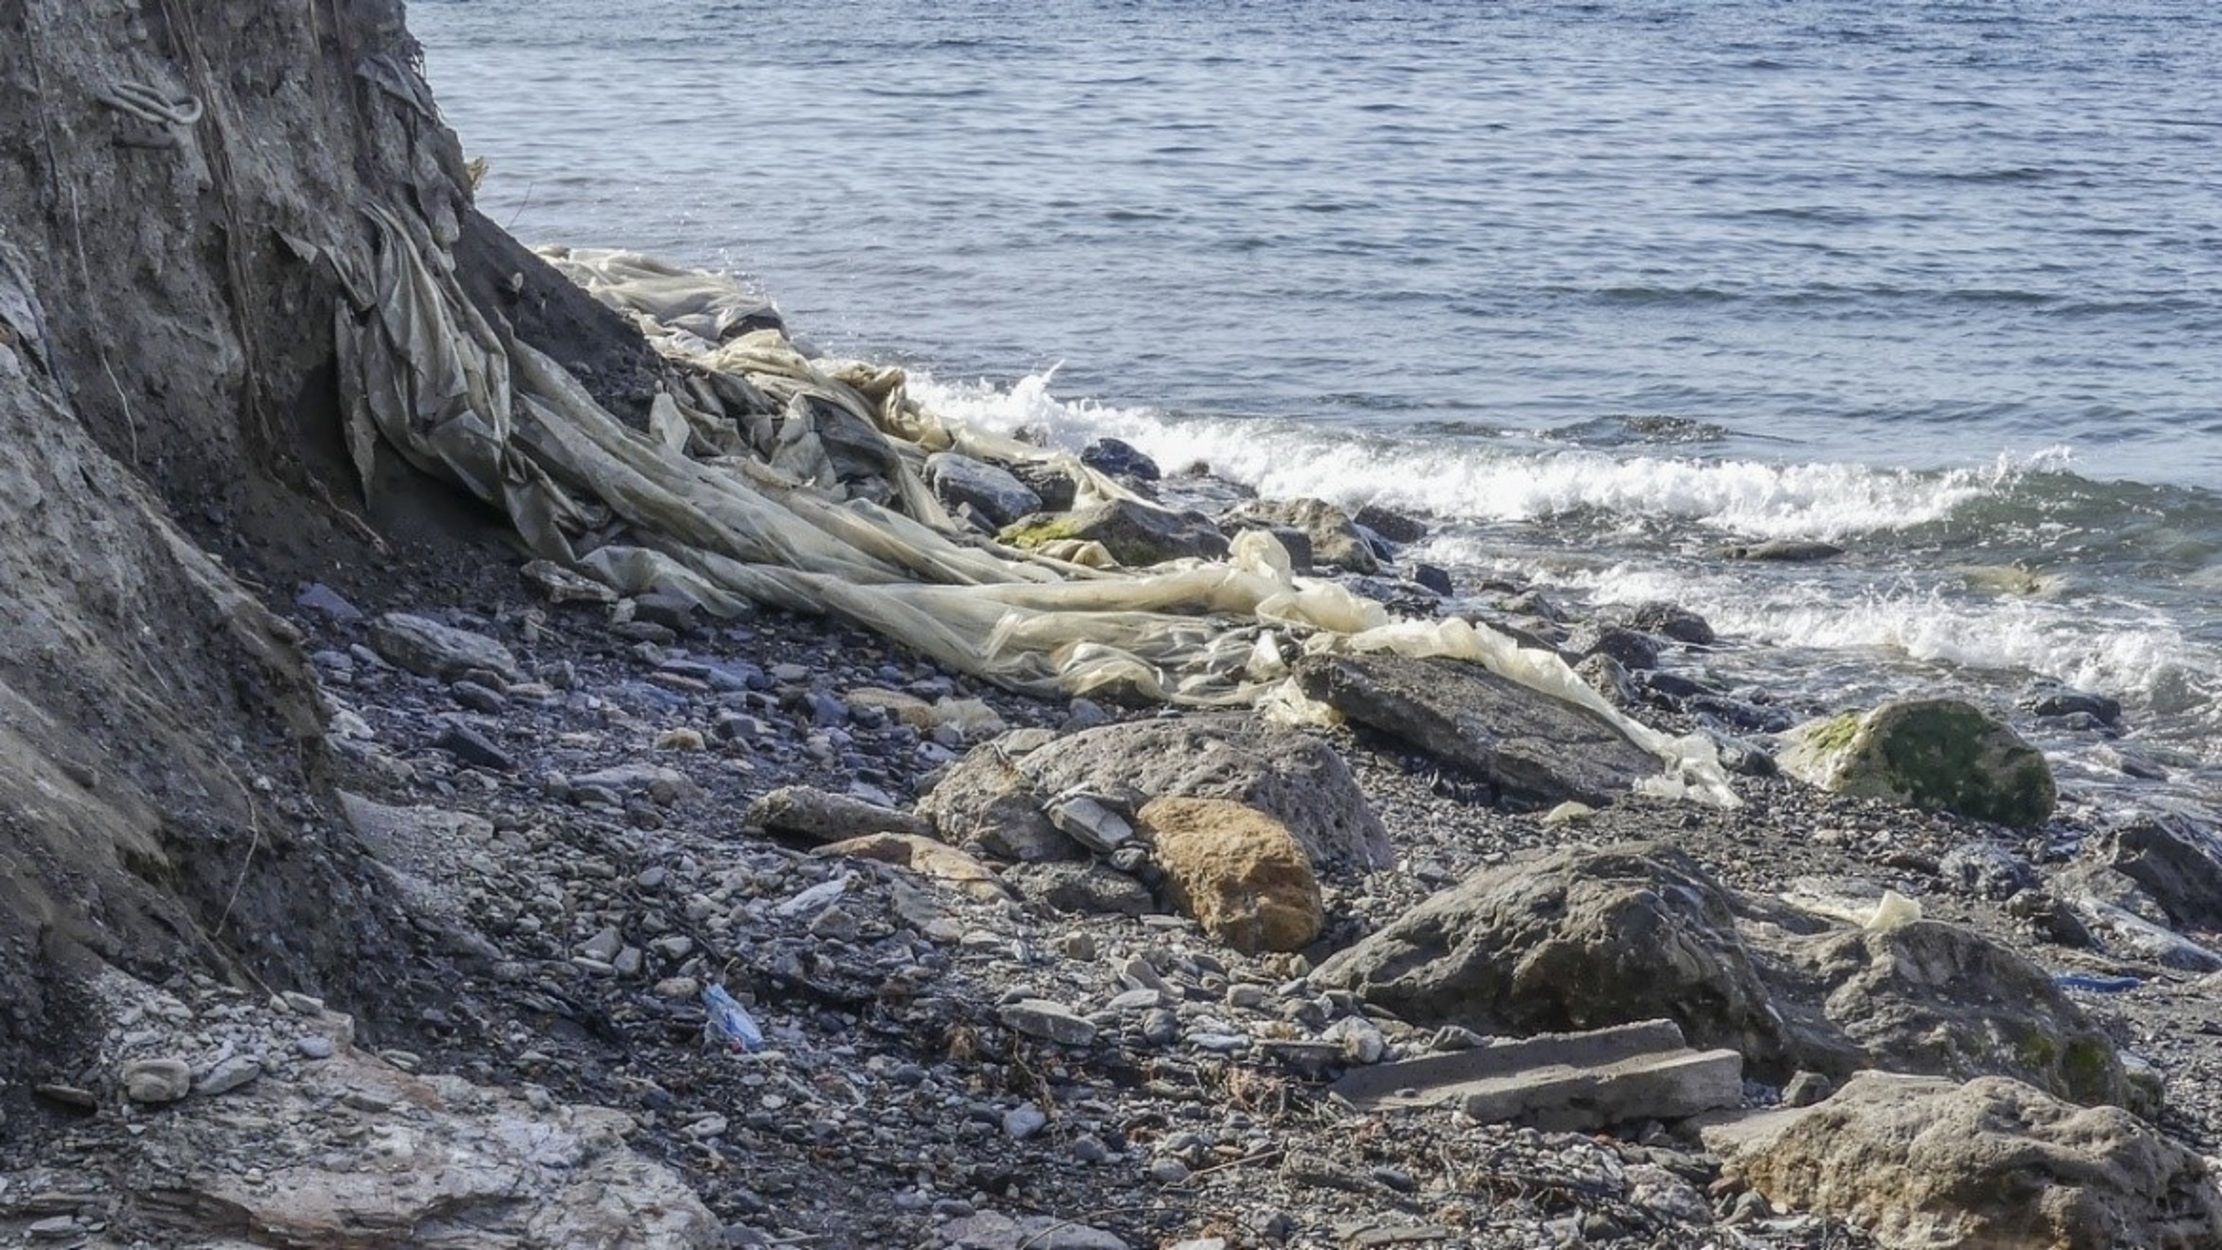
(1940, 754)
(1137, 534)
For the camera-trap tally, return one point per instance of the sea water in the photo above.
(1601, 288)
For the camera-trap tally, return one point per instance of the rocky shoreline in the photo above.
(384, 880)
(987, 1021)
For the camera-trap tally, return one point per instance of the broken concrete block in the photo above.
(1564, 1082)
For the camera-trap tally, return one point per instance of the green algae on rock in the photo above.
(1941, 754)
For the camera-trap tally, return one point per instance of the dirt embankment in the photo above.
(183, 189)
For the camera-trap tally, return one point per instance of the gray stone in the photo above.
(807, 812)
(479, 698)
(1783, 551)
(1335, 541)
(986, 804)
(2177, 861)
(474, 748)
(1634, 649)
(999, 496)
(1119, 458)
(1938, 999)
(1985, 871)
(1139, 973)
(1081, 888)
(992, 1230)
(1168, 1171)
(1086, 820)
(1050, 481)
(1296, 778)
(1529, 744)
(427, 647)
(1805, 1089)
(1671, 621)
(1136, 533)
(603, 946)
(1023, 1121)
(1609, 677)
(561, 585)
(157, 1080)
(228, 1075)
(1673, 1086)
(1038, 1017)
(1134, 1000)
(1395, 526)
(1585, 938)
(1160, 1027)
(321, 599)
(673, 611)
(663, 785)
(1927, 1164)
(314, 1046)
(1942, 754)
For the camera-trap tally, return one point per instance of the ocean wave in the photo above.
(2112, 648)
(1467, 480)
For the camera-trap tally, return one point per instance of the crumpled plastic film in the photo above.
(781, 480)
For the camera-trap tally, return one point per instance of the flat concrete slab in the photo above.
(1445, 1077)
(1564, 1081)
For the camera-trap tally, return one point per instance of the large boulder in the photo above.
(1939, 999)
(997, 495)
(1137, 534)
(473, 1167)
(1578, 939)
(1290, 775)
(2178, 862)
(1335, 541)
(996, 798)
(1237, 872)
(1922, 1163)
(1530, 745)
(1586, 938)
(1941, 754)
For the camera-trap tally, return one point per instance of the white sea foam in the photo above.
(2106, 646)
(1463, 479)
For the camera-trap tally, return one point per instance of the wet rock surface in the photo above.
(1527, 744)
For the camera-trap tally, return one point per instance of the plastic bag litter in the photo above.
(769, 478)
(1869, 910)
(729, 1023)
(1893, 911)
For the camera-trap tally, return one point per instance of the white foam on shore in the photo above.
(2108, 647)
(1468, 481)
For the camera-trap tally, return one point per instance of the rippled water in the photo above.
(1602, 286)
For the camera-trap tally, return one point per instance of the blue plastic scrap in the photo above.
(2097, 985)
(729, 1022)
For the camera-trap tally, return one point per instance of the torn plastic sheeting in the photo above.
(426, 375)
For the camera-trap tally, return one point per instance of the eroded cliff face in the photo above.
(183, 195)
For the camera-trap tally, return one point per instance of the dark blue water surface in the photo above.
(1599, 285)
